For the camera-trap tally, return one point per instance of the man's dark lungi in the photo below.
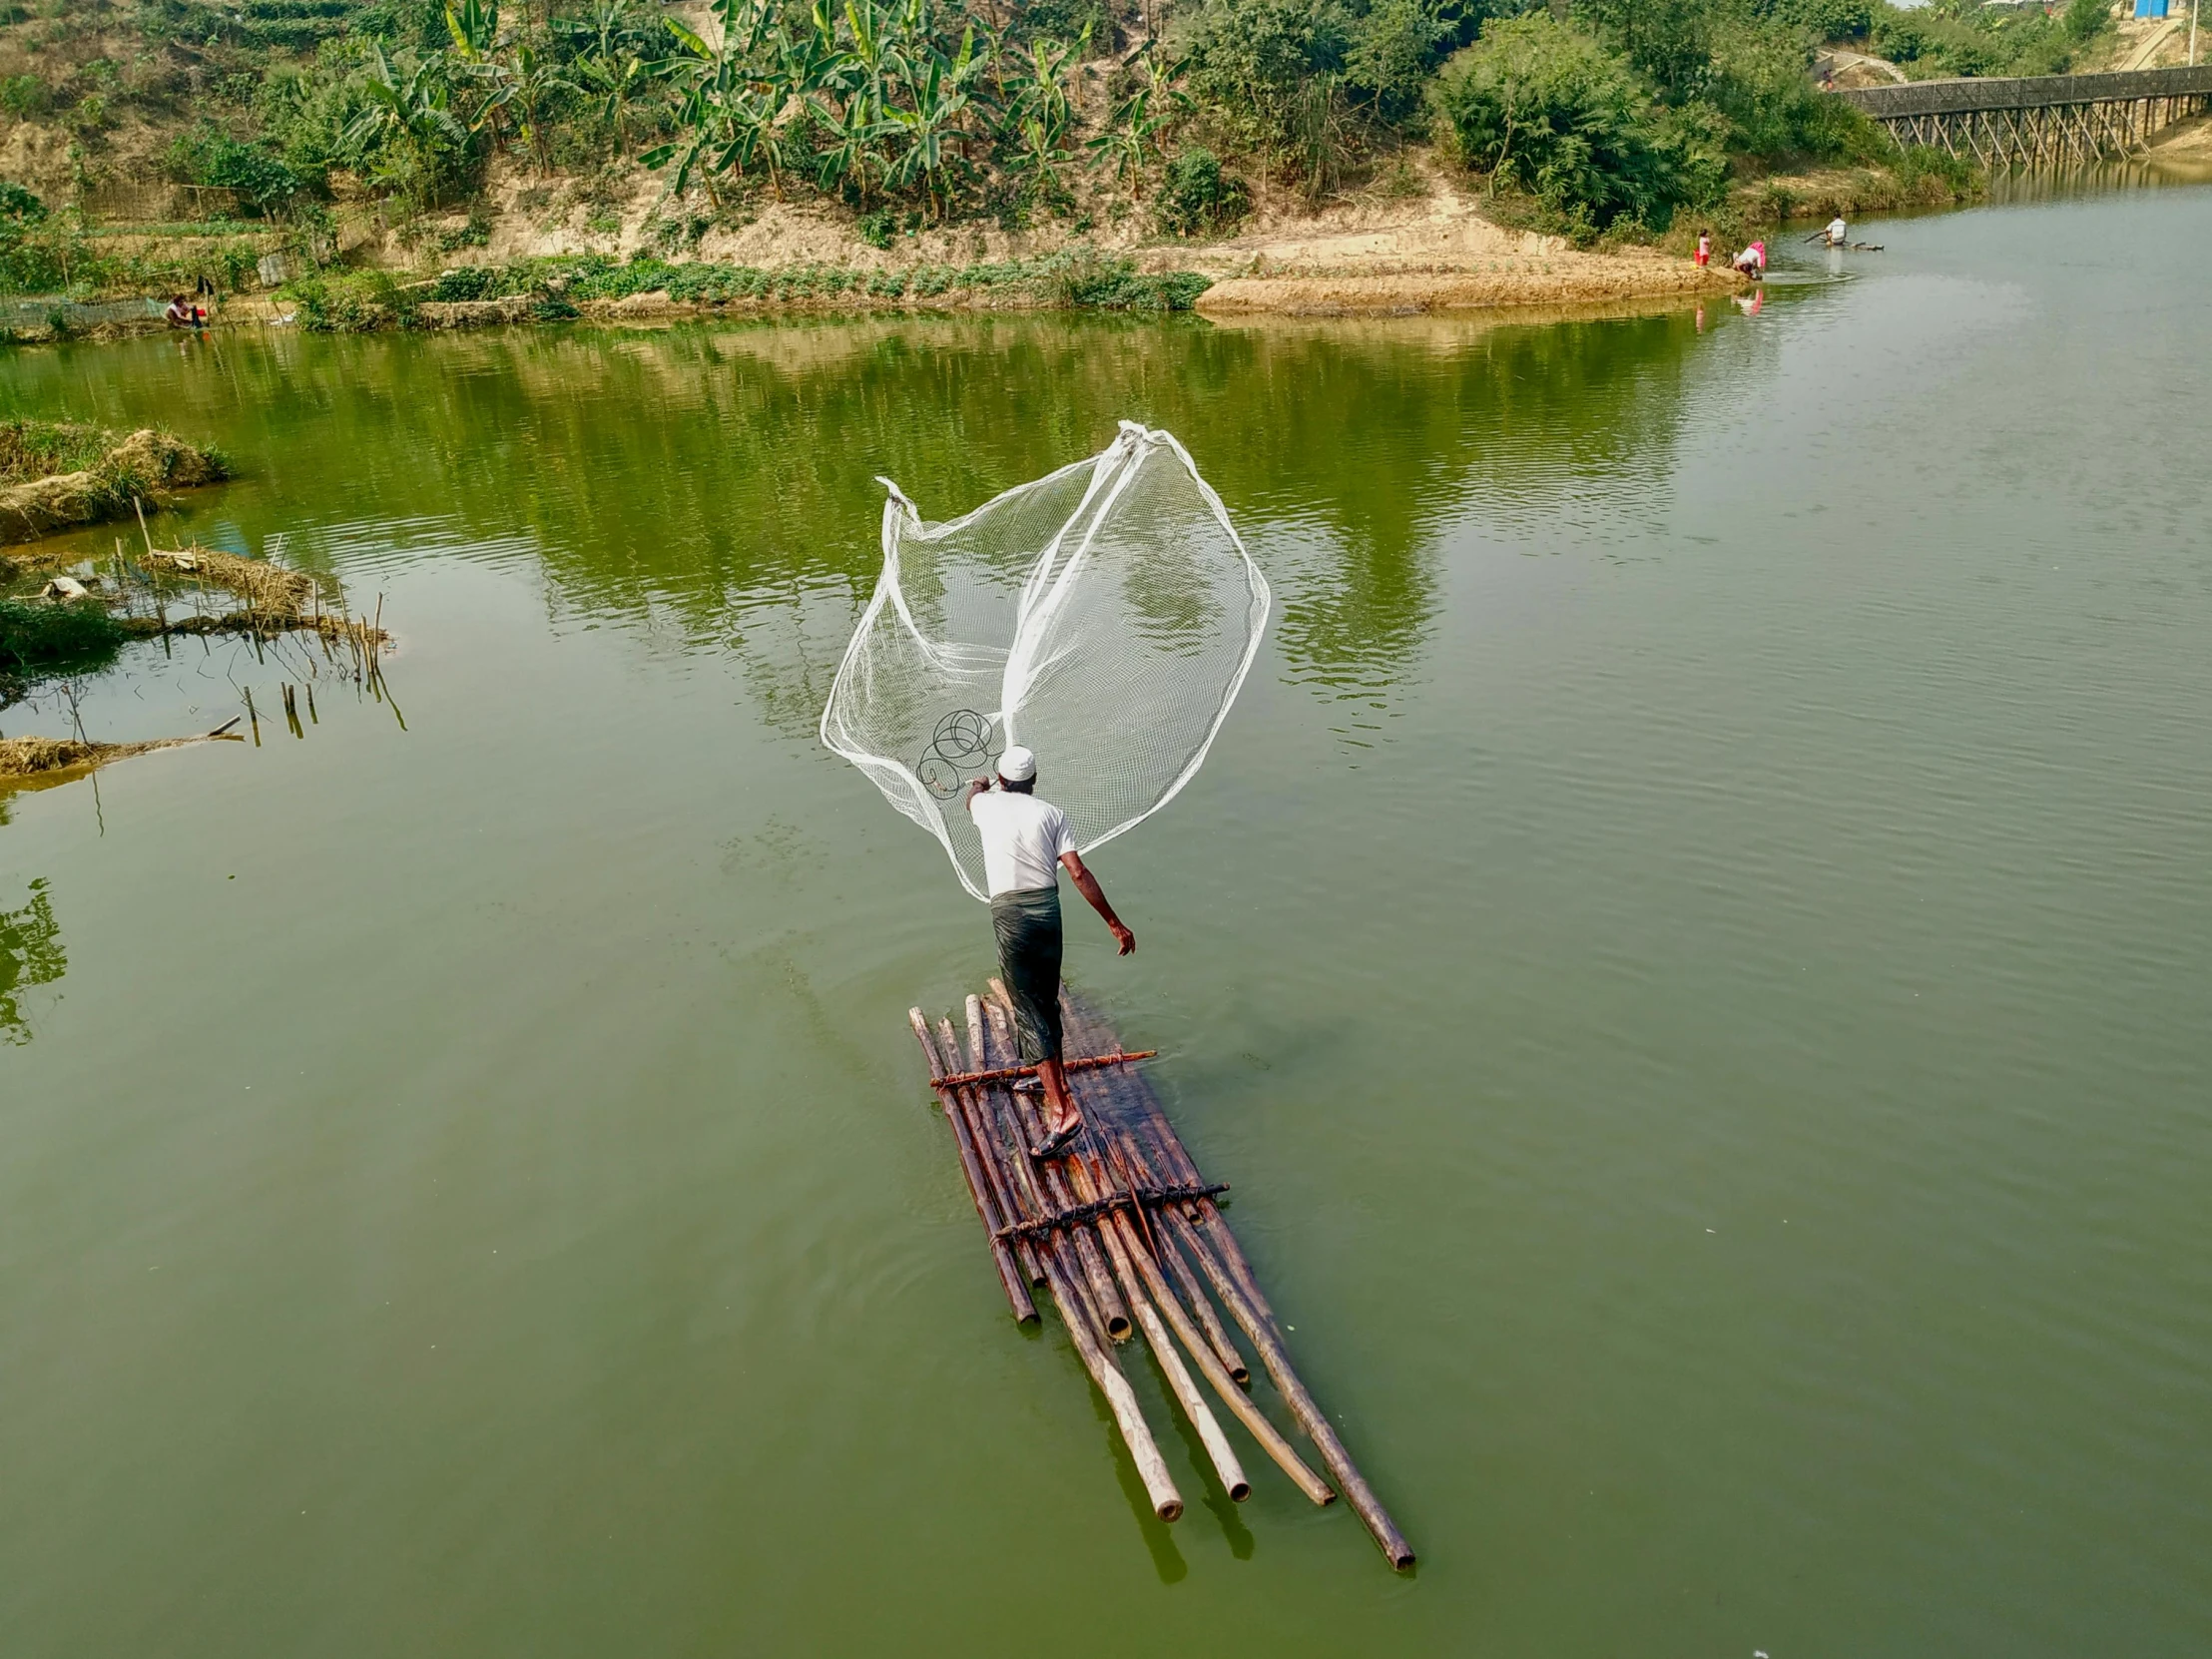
(1027, 922)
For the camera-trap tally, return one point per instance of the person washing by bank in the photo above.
(1027, 843)
(1752, 262)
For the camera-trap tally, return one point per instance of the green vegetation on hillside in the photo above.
(1599, 116)
(1961, 37)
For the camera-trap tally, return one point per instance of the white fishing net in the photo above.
(1104, 616)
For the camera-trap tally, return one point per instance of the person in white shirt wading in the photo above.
(1026, 841)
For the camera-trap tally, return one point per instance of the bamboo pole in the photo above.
(1121, 1399)
(1009, 1277)
(1096, 1094)
(1218, 1449)
(1004, 1133)
(1309, 1416)
(988, 1154)
(1088, 1063)
(1149, 1123)
(1270, 1438)
(1119, 1326)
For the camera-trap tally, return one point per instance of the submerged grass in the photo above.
(43, 637)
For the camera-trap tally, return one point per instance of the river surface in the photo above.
(1692, 949)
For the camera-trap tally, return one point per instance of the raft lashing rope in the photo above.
(1123, 1235)
(1104, 615)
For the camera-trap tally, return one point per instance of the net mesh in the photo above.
(1104, 616)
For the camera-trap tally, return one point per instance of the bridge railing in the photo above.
(2026, 91)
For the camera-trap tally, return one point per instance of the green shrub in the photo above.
(1832, 19)
(24, 96)
(2084, 20)
(262, 181)
(1758, 81)
(1085, 281)
(1541, 106)
(1196, 197)
(1935, 174)
(18, 206)
(351, 302)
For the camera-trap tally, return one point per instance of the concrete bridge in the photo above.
(2037, 118)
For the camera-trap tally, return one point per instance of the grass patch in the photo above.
(36, 448)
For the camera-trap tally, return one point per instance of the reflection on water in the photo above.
(717, 485)
(30, 956)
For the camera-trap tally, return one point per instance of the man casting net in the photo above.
(1103, 616)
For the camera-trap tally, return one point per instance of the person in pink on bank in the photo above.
(1704, 248)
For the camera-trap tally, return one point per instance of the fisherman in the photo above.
(1839, 233)
(1026, 842)
(180, 314)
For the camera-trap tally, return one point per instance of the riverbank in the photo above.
(1432, 243)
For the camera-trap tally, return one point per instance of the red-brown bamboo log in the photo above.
(1218, 1449)
(1116, 1130)
(1084, 1062)
(1121, 1399)
(998, 1039)
(1009, 1275)
(1270, 1438)
(1006, 1132)
(1310, 1415)
(988, 1152)
(1141, 1107)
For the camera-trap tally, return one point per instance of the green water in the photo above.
(1691, 950)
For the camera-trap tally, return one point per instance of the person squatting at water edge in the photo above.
(1025, 843)
(1752, 262)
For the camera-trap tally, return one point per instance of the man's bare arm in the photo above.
(1087, 884)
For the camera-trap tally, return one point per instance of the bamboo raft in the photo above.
(1124, 1235)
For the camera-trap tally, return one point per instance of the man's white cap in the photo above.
(1017, 764)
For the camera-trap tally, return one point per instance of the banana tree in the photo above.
(607, 65)
(1132, 138)
(937, 98)
(405, 131)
